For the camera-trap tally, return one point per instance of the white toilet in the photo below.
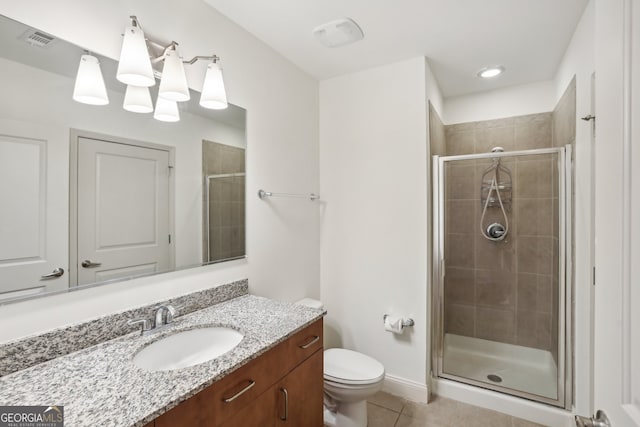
(350, 378)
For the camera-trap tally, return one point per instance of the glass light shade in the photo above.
(173, 85)
(214, 95)
(137, 99)
(89, 87)
(166, 110)
(134, 67)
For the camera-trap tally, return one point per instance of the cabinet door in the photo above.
(299, 395)
(260, 413)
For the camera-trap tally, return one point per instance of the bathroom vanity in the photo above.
(273, 376)
(281, 387)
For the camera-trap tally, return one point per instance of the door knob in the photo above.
(89, 264)
(53, 275)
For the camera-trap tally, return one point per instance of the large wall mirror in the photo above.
(93, 194)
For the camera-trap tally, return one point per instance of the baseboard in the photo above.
(406, 389)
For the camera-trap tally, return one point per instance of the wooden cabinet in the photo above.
(261, 412)
(283, 386)
(298, 404)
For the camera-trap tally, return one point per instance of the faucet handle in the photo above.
(146, 324)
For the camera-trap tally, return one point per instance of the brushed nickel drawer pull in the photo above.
(240, 393)
(286, 404)
(310, 343)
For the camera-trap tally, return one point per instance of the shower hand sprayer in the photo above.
(493, 186)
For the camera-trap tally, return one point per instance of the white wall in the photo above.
(282, 152)
(374, 213)
(579, 60)
(496, 104)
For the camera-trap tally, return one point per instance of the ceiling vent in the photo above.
(37, 38)
(338, 33)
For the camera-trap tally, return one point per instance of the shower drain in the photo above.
(494, 378)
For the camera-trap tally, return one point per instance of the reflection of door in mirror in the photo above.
(223, 169)
(30, 228)
(123, 206)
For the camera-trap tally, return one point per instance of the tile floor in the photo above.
(386, 410)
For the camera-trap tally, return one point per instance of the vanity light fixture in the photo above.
(89, 87)
(489, 72)
(173, 85)
(213, 94)
(137, 99)
(166, 110)
(135, 69)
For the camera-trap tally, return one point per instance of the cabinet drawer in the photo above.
(304, 343)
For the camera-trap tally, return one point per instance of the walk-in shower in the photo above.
(501, 261)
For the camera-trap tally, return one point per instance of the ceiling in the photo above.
(527, 37)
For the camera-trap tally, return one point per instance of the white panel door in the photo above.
(617, 223)
(28, 229)
(123, 210)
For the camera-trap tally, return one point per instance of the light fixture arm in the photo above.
(214, 58)
(165, 49)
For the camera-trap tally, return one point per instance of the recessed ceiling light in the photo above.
(488, 72)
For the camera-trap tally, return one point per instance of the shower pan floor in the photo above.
(511, 366)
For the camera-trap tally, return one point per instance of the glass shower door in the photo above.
(500, 261)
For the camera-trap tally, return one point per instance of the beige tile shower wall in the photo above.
(226, 202)
(501, 291)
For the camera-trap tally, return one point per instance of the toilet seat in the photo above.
(349, 367)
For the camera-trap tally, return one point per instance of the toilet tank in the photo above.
(312, 303)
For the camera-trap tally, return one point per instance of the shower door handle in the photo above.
(598, 420)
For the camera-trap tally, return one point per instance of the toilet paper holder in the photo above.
(405, 322)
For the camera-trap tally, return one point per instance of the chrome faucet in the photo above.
(164, 316)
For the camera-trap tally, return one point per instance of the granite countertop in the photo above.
(100, 385)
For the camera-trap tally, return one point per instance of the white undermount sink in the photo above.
(187, 348)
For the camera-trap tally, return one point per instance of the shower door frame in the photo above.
(565, 316)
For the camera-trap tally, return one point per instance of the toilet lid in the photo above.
(350, 367)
